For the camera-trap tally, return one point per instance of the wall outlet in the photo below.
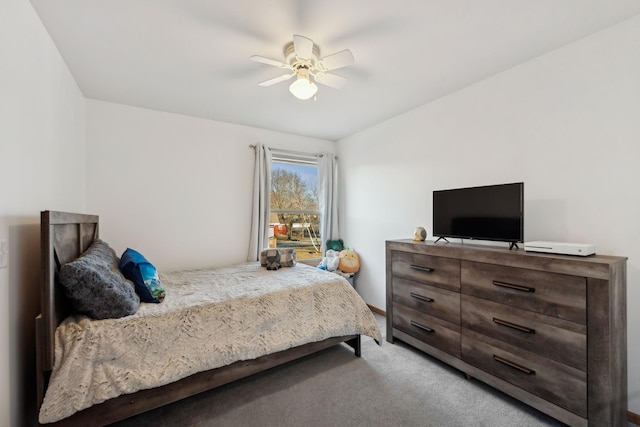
(4, 254)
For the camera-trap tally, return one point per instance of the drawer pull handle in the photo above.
(421, 297)
(514, 365)
(512, 286)
(419, 326)
(514, 326)
(421, 268)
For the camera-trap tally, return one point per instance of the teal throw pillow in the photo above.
(143, 274)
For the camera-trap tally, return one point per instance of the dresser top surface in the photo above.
(597, 266)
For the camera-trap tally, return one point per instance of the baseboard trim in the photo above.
(377, 310)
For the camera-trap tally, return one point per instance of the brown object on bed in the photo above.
(64, 237)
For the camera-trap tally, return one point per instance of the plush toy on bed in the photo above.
(273, 259)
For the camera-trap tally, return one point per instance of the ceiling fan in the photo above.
(302, 59)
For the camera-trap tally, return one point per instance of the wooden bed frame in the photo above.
(66, 236)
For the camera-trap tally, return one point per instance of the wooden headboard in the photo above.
(66, 236)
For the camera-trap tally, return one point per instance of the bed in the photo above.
(241, 320)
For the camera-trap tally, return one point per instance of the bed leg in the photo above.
(355, 343)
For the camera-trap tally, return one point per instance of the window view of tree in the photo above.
(294, 215)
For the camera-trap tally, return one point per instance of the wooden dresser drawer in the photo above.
(436, 271)
(431, 330)
(427, 299)
(553, 294)
(551, 337)
(550, 380)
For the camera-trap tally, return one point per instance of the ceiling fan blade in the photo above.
(277, 80)
(303, 46)
(336, 60)
(269, 61)
(330, 80)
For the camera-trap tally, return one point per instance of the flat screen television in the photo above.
(490, 212)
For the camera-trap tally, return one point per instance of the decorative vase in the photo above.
(420, 234)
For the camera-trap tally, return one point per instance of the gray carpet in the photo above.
(392, 385)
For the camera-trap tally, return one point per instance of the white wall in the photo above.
(176, 188)
(565, 123)
(42, 167)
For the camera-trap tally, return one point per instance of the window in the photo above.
(294, 218)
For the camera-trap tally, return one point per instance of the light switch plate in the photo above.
(4, 254)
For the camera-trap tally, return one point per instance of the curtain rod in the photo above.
(296, 153)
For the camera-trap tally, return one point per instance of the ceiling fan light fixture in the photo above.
(303, 88)
(302, 57)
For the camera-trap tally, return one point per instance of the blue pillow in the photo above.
(143, 274)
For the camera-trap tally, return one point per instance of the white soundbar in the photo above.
(581, 249)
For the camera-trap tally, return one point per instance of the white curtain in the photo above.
(261, 194)
(328, 194)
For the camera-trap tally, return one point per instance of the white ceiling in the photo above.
(192, 56)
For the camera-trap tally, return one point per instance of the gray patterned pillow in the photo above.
(288, 257)
(95, 286)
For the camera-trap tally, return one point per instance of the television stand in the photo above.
(511, 244)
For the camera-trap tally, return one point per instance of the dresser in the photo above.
(549, 330)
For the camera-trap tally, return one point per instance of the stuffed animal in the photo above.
(349, 261)
(336, 245)
(331, 261)
(273, 259)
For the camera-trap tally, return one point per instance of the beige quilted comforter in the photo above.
(209, 318)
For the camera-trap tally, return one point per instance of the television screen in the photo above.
(492, 212)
